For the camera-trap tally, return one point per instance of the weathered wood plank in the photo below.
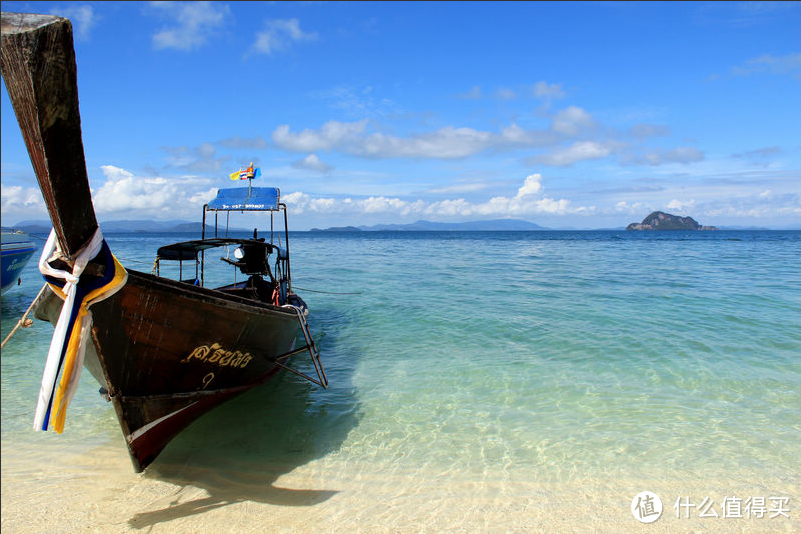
(38, 62)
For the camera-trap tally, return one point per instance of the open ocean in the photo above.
(507, 371)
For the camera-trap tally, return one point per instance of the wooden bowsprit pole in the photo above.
(38, 62)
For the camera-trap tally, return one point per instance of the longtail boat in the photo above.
(164, 351)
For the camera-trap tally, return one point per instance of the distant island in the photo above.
(659, 220)
(428, 226)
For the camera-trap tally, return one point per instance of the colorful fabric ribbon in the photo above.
(68, 345)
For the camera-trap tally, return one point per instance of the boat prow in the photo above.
(165, 351)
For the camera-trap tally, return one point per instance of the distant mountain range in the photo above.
(128, 226)
(428, 226)
(180, 226)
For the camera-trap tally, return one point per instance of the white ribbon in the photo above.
(50, 375)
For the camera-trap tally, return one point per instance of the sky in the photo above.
(569, 115)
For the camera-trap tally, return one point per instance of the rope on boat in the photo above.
(24, 322)
(326, 292)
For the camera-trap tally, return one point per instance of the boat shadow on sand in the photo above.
(237, 451)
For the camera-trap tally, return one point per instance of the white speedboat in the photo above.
(17, 249)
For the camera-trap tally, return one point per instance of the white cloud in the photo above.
(460, 188)
(19, 203)
(789, 64)
(573, 136)
(548, 90)
(123, 191)
(578, 151)
(528, 201)
(82, 17)
(633, 208)
(531, 186)
(332, 134)
(194, 22)
(764, 205)
(279, 34)
(446, 143)
(313, 163)
(681, 205)
(571, 121)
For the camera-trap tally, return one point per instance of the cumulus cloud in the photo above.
(312, 163)
(21, 202)
(527, 201)
(123, 191)
(531, 186)
(681, 205)
(194, 23)
(279, 34)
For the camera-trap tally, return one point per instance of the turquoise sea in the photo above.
(506, 369)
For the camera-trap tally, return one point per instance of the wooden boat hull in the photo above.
(166, 352)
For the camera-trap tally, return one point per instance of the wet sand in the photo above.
(51, 488)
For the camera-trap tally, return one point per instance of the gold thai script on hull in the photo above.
(218, 355)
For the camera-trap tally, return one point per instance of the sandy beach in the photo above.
(53, 489)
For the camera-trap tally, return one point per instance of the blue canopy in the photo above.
(238, 199)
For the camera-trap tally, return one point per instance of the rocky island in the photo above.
(660, 220)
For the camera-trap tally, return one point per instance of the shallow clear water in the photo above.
(541, 356)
